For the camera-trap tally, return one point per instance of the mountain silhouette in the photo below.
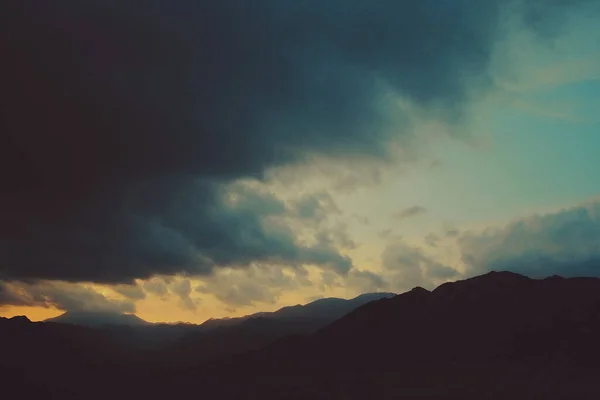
(218, 338)
(326, 309)
(495, 336)
(190, 343)
(53, 360)
(500, 316)
(330, 308)
(98, 318)
(499, 335)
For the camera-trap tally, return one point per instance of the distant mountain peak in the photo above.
(98, 318)
(502, 274)
(375, 295)
(491, 277)
(324, 308)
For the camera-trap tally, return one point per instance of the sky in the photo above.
(189, 160)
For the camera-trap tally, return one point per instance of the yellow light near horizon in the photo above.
(33, 313)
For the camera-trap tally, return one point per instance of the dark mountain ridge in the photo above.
(495, 336)
(232, 335)
(500, 316)
(98, 319)
(258, 330)
(328, 309)
(499, 334)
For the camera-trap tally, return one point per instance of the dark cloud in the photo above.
(564, 243)
(63, 296)
(122, 120)
(410, 212)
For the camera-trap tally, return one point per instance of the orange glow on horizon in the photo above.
(33, 313)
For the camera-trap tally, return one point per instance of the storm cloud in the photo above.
(61, 295)
(124, 121)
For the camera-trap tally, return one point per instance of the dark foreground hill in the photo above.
(498, 317)
(50, 360)
(496, 336)
(500, 335)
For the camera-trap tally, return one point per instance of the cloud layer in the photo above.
(123, 120)
(63, 296)
(564, 243)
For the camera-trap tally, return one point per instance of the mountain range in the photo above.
(97, 319)
(216, 337)
(495, 336)
(327, 309)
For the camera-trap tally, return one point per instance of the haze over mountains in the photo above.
(217, 337)
(326, 309)
(495, 335)
(321, 310)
